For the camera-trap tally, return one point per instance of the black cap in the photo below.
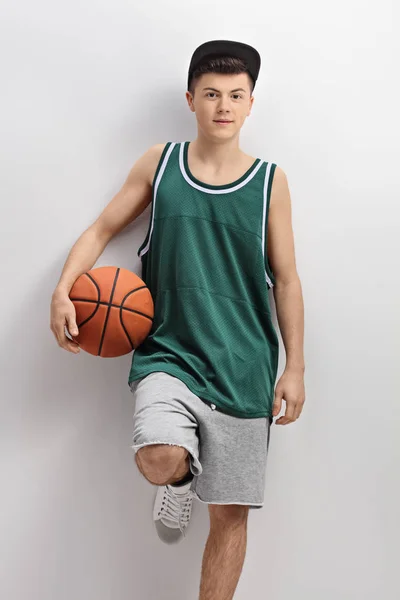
(218, 48)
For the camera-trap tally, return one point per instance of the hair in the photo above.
(225, 64)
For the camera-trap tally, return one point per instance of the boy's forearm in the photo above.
(83, 255)
(290, 314)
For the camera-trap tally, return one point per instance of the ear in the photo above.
(190, 102)
(251, 105)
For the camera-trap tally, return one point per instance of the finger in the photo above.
(277, 405)
(64, 342)
(58, 331)
(286, 418)
(70, 346)
(69, 339)
(297, 411)
(299, 408)
(290, 411)
(74, 348)
(71, 325)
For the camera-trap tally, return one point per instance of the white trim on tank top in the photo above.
(266, 182)
(204, 189)
(156, 184)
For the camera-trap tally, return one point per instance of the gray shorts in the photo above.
(227, 454)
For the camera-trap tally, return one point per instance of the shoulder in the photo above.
(279, 175)
(158, 149)
(151, 159)
(280, 188)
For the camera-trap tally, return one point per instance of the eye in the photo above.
(236, 95)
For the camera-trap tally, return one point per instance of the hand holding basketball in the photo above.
(62, 316)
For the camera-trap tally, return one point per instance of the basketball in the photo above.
(114, 311)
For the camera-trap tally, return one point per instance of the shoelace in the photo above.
(176, 507)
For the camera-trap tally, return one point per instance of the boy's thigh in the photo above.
(163, 426)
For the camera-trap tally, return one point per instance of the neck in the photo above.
(217, 154)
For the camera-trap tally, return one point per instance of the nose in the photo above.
(223, 105)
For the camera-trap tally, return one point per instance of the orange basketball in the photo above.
(114, 311)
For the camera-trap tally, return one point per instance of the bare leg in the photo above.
(225, 552)
(177, 465)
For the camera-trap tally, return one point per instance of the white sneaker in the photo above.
(172, 511)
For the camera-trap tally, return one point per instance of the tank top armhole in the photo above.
(160, 162)
(269, 175)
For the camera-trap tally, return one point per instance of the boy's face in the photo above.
(221, 96)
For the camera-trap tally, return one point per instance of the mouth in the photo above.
(222, 122)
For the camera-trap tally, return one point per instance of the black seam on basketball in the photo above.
(113, 306)
(138, 288)
(120, 315)
(124, 328)
(108, 311)
(131, 291)
(79, 325)
(122, 307)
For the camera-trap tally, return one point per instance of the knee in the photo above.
(159, 462)
(228, 516)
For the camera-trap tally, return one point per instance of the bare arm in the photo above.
(288, 297)
(127, 204)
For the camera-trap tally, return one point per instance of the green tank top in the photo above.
(204, 260)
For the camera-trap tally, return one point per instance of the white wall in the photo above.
(86, 88)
